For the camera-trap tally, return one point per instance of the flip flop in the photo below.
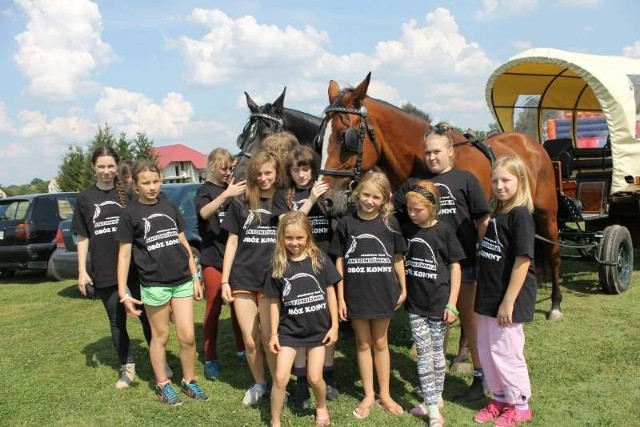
(397, 410)
(361, 412)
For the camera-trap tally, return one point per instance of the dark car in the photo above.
(28, 226)
(64, 261)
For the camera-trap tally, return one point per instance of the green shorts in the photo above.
(160, 295)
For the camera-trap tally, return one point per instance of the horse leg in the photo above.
(547, 223)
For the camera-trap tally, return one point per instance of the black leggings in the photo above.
(118, 320)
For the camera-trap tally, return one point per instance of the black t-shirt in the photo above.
(461, 203)
(304, 310)
(256, 242)
(286, 200)
(508, 235)
(214, 237)
(368, 247)
(161, 259)
(96, 216)
(430, 253)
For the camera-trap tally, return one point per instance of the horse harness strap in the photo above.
(486, 149)
(277, 120)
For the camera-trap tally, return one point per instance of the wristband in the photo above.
(196, 276)
(124, 298)
(452, 309)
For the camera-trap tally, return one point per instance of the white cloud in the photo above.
(491, 9)
(580, 3)
(521, 45)
(61, 47)
(133, 112)
(632, 51)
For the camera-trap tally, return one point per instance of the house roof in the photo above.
(180, 153)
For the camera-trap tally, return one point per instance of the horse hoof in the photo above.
(461, 368)
(555, 315)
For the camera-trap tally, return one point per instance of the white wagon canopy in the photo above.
(591, 100)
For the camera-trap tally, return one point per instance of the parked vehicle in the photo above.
(64, 261)
(28, 227)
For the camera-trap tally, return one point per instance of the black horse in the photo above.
(268, 119)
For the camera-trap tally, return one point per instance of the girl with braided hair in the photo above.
(95, 222)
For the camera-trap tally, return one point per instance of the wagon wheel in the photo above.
(615, 247)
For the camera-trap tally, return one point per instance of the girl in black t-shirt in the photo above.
(95, 221)
(506, 294)
(211, 202)
(432, 264)
(151, 233)
(302, 196)
(304, 311)
(252, 239)
(369, 248)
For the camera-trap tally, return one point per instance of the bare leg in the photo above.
(183, 316)
(362, 332)
(247, 312)
(159, 321)
(281, 378)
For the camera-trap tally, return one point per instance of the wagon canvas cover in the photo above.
(576, 82)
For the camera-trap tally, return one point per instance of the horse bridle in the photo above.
(353, 140)
(279, 122)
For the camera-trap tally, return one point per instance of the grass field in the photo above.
(59, 368)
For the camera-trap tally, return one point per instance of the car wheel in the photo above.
(51, 272)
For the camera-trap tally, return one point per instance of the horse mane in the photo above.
(412, 113)
(301, 115)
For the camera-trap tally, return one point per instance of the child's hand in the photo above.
(235, 189)
(401, 299)
(226, 294)
(130, 307)
(449, 316)
(274, 344)
(505, 313)
(331, 337)
(342, 311)
(318, 189)
(197, 289)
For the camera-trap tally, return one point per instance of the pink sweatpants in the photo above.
(501, 351)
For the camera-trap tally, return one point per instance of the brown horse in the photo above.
(360, 133)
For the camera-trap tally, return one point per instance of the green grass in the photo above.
(58, 365)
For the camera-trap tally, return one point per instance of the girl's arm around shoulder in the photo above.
(233, 190)
(332, 335)
(274, 341)
(398, 268)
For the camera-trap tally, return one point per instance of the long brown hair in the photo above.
(106, 151)
(280, 260)
(252, 191)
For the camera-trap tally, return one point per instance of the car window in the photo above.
(16, 209)
(187, 206)
(65, 209)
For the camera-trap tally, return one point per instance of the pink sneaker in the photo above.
(511, 416)
(489, 412)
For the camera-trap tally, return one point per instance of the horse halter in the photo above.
(353, 140)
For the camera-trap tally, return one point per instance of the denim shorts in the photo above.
(156, 296)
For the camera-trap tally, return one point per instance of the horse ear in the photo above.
(334, 91)
(253, 107)
(361, 90)
(278, 104)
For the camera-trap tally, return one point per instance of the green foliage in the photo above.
(37, 185)
(75, 173)
(585, 370)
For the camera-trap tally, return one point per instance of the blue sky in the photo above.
(177, 70)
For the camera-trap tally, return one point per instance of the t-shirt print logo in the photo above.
(374, 258)
(447, 200)
(491, 247)
(308, 296)
(423, 262)
(297, 204)
(252, 215)
(163, 232)
(106, 217)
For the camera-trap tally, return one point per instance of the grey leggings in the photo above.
(428, 335)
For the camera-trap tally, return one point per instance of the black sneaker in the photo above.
(473, 393)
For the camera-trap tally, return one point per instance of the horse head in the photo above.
(360, 133)
(263, 121)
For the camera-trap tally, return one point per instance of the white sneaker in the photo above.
(254, 394)
(127, 375)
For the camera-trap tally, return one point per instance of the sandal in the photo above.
(395, 410)
(361, 412)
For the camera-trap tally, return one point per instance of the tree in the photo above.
(76, 173)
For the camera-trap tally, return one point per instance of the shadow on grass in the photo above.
(26, 278)
(71, 292)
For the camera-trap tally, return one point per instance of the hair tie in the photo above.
(424, 192)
